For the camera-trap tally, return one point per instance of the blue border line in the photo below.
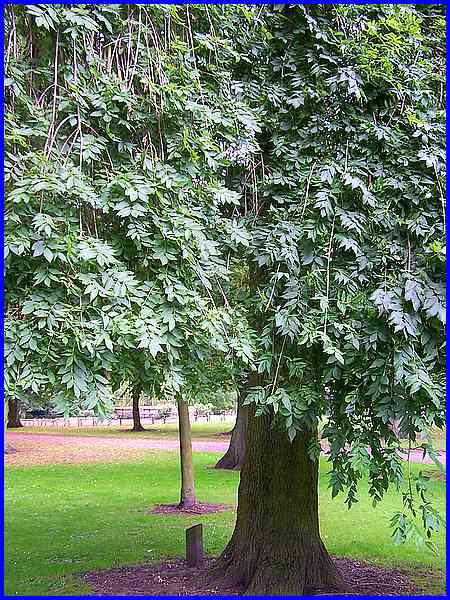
(447, 285)
(255, 2)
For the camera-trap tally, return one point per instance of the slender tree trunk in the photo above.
(137, 425)
(276, 548)
(234, 456)
(187, 499)
(14, 414)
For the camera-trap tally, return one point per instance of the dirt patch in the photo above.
(128, 441)
(436, 474)
(174, 578)
(171, 578)
(198, 509)
(100, 449)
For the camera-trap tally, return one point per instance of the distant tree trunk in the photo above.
(13, 414)
(187, 499)
(137, 425)
(234, 456)
(276, 547)
(6, 446)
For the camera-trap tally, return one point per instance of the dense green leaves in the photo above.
(117, 246)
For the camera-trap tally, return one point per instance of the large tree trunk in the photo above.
(276, 547)
(234, 456)
(188, 499)
(137, 425)
(13, 414)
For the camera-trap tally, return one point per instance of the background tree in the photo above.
(203, 381)
(188, 498)
(136, 395)
(118, 219)
(14, 414)
(234, 456)
(6, 445)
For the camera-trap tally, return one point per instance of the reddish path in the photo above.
(122, 442)
(158, 443)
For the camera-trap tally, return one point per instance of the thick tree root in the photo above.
(306, 569)
(229, 461)
(187, 505)
(234, 456)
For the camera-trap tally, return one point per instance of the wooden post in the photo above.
(194, 546)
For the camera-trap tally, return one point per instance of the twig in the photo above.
(273, 290)
(53, 137)
(328, 276)
(55, 85)
(408, 262)
(308, 183)
(278, 366)
(137, 50)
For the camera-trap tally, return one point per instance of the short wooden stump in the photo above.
(194, 546)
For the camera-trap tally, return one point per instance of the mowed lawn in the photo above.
(204, 431)
(61, 520)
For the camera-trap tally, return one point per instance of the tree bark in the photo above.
(137, 425)
(234, 456)
(13, 414)
(276, 547)
(7, 448)
(187, 499)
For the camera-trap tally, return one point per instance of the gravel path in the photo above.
(153, 444)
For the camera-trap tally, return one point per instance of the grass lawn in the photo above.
(65, 519)
(169, 430)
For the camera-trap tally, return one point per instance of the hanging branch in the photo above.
(328, 276)
(55, 86)
(136, 54)
(275, 379)
(308, 183)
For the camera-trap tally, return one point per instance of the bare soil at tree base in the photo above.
(197, 509)
(174, 578)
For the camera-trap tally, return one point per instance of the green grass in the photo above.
(61, 520)
(160, 430)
